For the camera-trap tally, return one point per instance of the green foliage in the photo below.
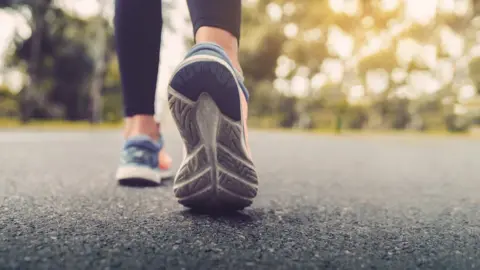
(65, 68)
(112, 107)
(356, 117)
(330, 106)
(458, 124)
(8, 103)
(262, 43)
(474, 70)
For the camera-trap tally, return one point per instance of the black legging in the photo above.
(138, 30)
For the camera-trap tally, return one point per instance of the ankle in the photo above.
(142, 125)
(127, 127)
(224, 39)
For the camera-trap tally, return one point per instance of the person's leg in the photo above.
(209, 104)
(138, 28)
(218, 22)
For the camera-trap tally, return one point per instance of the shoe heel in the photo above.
(210, 75)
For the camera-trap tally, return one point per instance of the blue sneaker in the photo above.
(139, 162)
(208, 101)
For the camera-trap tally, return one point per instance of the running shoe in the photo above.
(208, 101)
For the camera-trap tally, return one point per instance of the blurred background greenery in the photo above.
(310, 64)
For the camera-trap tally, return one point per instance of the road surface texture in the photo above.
(325, 202)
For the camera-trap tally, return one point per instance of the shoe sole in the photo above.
(140, 176)
(216, 172)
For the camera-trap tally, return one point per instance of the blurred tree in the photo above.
(54, 59)
(262, 42)
(474, 72)
(308, 64)
(68, 73)
(101, 56)
(65, 66)
(31, 98)
(8, 103)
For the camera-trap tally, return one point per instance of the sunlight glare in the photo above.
(423, 81)
(285, 65)
(281, 85)
(289, 8)
(462, 7)
(428, 55)
(300, 86)
(274, 11)
(389, 5)
(406, 91)
(466, 92)
(451, 42)
(290, 30)
(377, 80)
(85, 8)
(373, 45)
(399, 75)
(406, 50)
(446, 6)
(422, 12)
(340, 43)
(357, 91)
(444, 71)
(348, 7)
(334, 69)
(318, 81)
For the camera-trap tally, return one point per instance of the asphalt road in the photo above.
(325, 202)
